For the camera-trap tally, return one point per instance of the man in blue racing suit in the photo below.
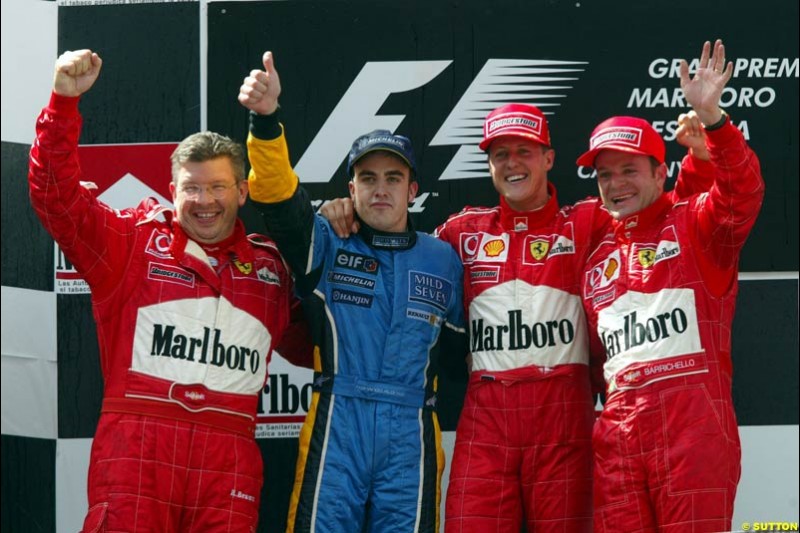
(370, 455)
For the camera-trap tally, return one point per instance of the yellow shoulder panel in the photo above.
(271, 178)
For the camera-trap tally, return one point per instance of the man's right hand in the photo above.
(260, 90)
(339, 213)
(76, 72)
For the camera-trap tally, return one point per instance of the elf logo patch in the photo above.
(358, 262)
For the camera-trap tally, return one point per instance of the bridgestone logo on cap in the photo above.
(534, 124)
(618, 135)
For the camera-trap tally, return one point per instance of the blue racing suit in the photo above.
(370, 456)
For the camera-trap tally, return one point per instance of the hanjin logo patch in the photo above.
(351, 298)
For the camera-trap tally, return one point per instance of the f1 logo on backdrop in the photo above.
(121, 175)
(534, 81)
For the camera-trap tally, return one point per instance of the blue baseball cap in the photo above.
(384, 140)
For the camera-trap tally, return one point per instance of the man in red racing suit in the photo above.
(523, 443)
(188, 310)
(659, 293)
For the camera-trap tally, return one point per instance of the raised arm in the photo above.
(727, 214)
(91, 235)
(274, 187)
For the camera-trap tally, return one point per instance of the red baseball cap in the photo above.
(624, 134)
(517, 120)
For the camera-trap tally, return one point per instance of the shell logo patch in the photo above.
(611, 268)
(494, 248)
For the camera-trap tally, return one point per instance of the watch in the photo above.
(718, 124)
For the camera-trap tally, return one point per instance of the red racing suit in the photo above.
(523, 442)
(523, 438)
(184, 349)
(659, 292)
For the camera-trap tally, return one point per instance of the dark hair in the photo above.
(207, 145)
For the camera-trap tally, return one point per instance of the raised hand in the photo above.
(690, 134)
(260, 90)
(76, 72)
(704, 89)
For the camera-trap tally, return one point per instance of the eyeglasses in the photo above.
(216, 191)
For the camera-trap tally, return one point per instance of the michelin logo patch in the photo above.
(429, 289)
(350, 279)
(351, 298)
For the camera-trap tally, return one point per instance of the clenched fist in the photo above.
(76, 72)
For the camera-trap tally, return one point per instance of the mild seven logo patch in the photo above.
(429, 289)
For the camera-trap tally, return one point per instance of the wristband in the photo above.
(718, 124)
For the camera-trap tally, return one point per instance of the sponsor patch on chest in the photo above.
(484, 274)
(266, 271)
(483, 247)
(539, 248)
(645, 256)
(424, 316)
(429, 289)
(344, 278)
(351, 298)
(357, 262)
(158, 245)
(601, 276)
(170, 274)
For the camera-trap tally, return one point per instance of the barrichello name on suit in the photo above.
(203, 350)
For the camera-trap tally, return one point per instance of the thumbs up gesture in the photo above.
(260, 90)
